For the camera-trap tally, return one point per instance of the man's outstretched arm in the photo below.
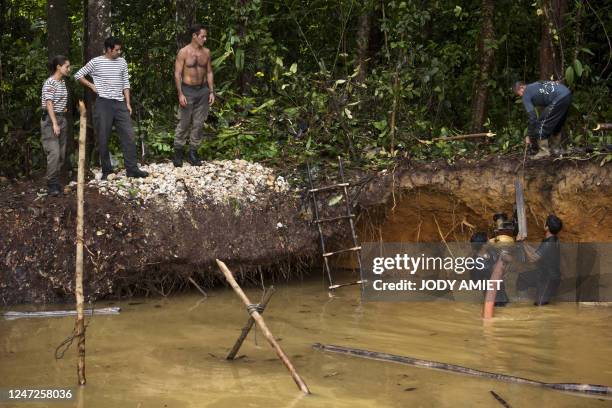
(531, 115)
(531, 254)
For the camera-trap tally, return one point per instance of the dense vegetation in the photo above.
(369, 80)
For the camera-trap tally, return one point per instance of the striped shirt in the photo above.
(110, 76)
(54, 91)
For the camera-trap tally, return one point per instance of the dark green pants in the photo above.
(192, 117)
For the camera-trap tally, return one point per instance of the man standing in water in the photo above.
(193, 76)
(547, 258)
(488, 253)
(556, 99)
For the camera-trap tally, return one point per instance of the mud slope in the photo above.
(405, 205)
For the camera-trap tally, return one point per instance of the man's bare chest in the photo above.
(196, 60)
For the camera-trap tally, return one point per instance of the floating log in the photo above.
(61, 313)
(373, 355)
(262, 325)
(247, 328)
(80, 299)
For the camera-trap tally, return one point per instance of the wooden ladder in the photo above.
(356, 248)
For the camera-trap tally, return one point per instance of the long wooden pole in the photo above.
(264, 329)
(520, 207)
(603, 126)
(373, 355)
(247, 328)
(458, 137)
(61, 313)
(462, 137)
(80, 300)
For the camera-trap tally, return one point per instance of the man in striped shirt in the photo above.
(112, 85)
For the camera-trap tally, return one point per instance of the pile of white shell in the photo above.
(216, 182)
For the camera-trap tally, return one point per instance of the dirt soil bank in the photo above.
(134, 247)
(404, 205)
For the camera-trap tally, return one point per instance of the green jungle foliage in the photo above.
(299, 57)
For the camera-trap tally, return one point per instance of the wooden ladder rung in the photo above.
(357, 248)
(332, 187)
(341, 217)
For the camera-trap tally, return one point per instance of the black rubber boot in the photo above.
(54, 190)
(178, 157)
(136, 173)
(193, 158)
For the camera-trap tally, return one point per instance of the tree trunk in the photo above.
(58, 28)
(363, 43)
(551, 49)
(58, 43)
(97, 29)
(487, 60)
(185, 17)
(2, 30)
(242, 80)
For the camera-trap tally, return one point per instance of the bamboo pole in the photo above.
(80, 320)
(247, 328)
(373, 355)
(262, 325)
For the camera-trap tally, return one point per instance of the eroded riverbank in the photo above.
(140, 240)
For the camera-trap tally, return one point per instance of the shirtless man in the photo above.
(193, 76)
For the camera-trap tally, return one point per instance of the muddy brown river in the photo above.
(169, 352)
